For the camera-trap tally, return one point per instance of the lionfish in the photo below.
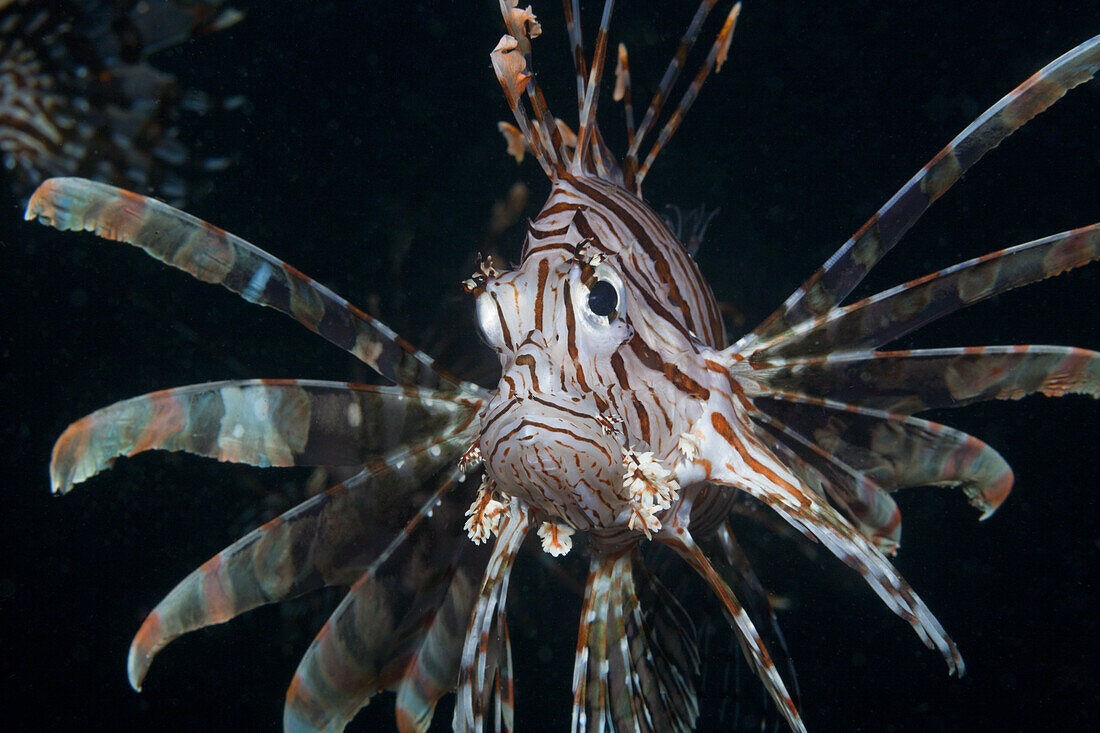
(623, 417)
(78, 96)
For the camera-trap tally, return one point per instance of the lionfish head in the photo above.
(548, 435)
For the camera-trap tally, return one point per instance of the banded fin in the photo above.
(591, 665)
(366, 645)
(624, 91)
(756, 653)
(752, 467)
(895, 451)
(330, 539)
(213, 255)
(483, 650)
(261, 422)
(625, 705)
(572, 10)
(662, 646)
(636, 653)
(847, 267)
(664, 88)
(587, 129)
(866, 505)
(729, 561)
(893, 313)
(717, 56)
(912, 381)
(432, 667)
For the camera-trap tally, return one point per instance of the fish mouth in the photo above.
(557, 453)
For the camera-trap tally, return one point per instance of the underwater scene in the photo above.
(359, 142)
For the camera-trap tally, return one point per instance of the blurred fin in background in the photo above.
(78, 96)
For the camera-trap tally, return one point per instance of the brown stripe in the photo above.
(570, 323)
(559, 244)
(643, 418)
(503, 323)
(544, 272)
(529, 361)
(535, 233)
(652, 360)
(587, 232)
(561, 408)
(620, 370)
(558, 208)
(641, 234)
(723, 428)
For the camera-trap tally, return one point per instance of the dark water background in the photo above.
(369, 158)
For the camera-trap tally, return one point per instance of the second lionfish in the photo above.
(622, 416)
(78, 96)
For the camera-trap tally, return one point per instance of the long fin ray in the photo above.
(866, 505)
(756, 653)
(834, 280)
(260, 422)
(482, 650)
(730, 562)
(213, 255)
(591, 665)
(432, 669)
(913, 381)
(329, 539)
(753, 468)
(898, 311)
(366, 645)
(659, 640)
(896, 451)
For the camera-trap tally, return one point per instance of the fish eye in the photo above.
(603, 299)
(489, 328)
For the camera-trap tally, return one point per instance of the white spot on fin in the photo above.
(257, 283)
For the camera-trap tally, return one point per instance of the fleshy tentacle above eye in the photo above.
(834, 280)
(259, 422)
(213, 255)
(330, 539)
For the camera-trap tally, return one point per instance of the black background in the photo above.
(371, 128)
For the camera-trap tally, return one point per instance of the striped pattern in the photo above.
(898, 311)
(213, 255)
(751, 642)
(612, 351)
(612, 221)
(636, 652)
(375, 639)
(486, 652)
(78, 98)
(888, 451)
(330, 539)
(850, 264)
(924, 379)
(717, 55)
(261, 422)
(512, 63)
